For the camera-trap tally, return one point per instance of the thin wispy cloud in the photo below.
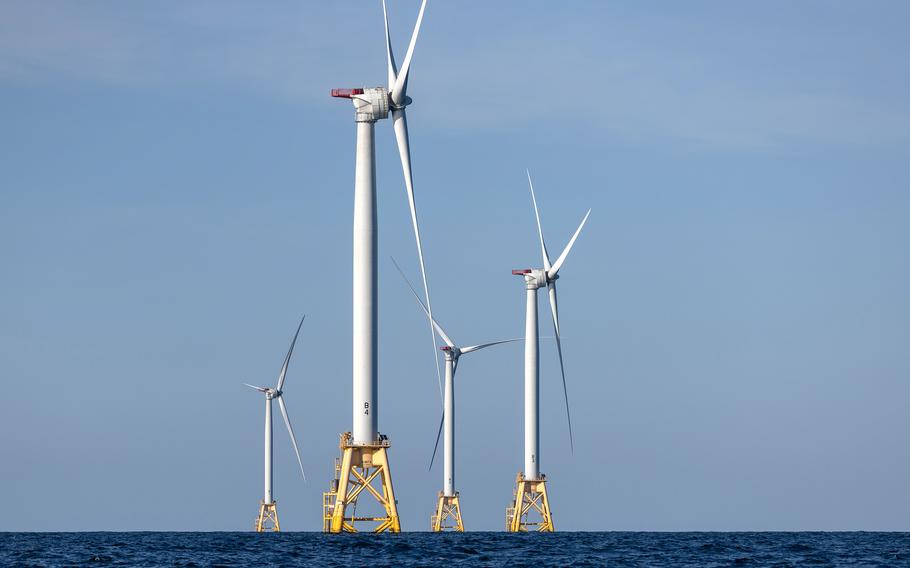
(601, 69)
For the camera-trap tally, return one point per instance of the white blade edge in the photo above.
(438, 327)
(287, 422)
(400, 124)
(438, 435)
(543, 246)
(562, 257)
(484, 345)
(401, 82)
(393, 69)
(554, 311)
(260, 389)
(287, 358)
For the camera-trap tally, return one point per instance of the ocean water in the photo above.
(467, 549)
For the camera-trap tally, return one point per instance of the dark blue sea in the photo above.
(467, 549)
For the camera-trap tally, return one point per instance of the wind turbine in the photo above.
(447, 504)
(268, 513)
(531, 492)
(364, 455)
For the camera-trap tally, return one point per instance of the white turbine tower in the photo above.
(364, 456)
(268, 513)
(448, 507)
(531, 493)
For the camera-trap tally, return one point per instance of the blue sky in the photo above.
(177, 188)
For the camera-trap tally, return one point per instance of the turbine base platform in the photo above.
(530, 508)
(267, 521)
(360, 466)
(448, 515)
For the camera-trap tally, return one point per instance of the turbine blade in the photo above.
(484, 345)
(287, 422)
(287, 358)
(260, 389)
(400, 123)
(399, 91)
(562, 257)
(543, 246)
(438, 435)
(438, 327)
(555, 313)
(393, 69)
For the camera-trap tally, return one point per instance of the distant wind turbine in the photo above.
(531, 492)
(447, 505)
(268, 513)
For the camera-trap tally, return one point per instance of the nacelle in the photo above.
(535, 277)
(371, 104)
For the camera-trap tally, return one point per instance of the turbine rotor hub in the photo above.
(407, 100)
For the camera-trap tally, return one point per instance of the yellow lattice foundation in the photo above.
(530, 509)
(448, 515)
(268, 517)
(359, 468)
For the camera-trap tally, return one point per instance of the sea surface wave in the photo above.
(467, 549)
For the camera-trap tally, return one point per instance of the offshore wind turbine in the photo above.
(448, 507)
(364, 456)
(268, 513)
(531, 491)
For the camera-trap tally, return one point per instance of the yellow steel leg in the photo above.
(268, 517)
(447, 509)
(530, 509)
(360, 468)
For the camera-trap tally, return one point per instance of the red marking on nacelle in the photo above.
(346, 93)
(445, 348)
(521, 272)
